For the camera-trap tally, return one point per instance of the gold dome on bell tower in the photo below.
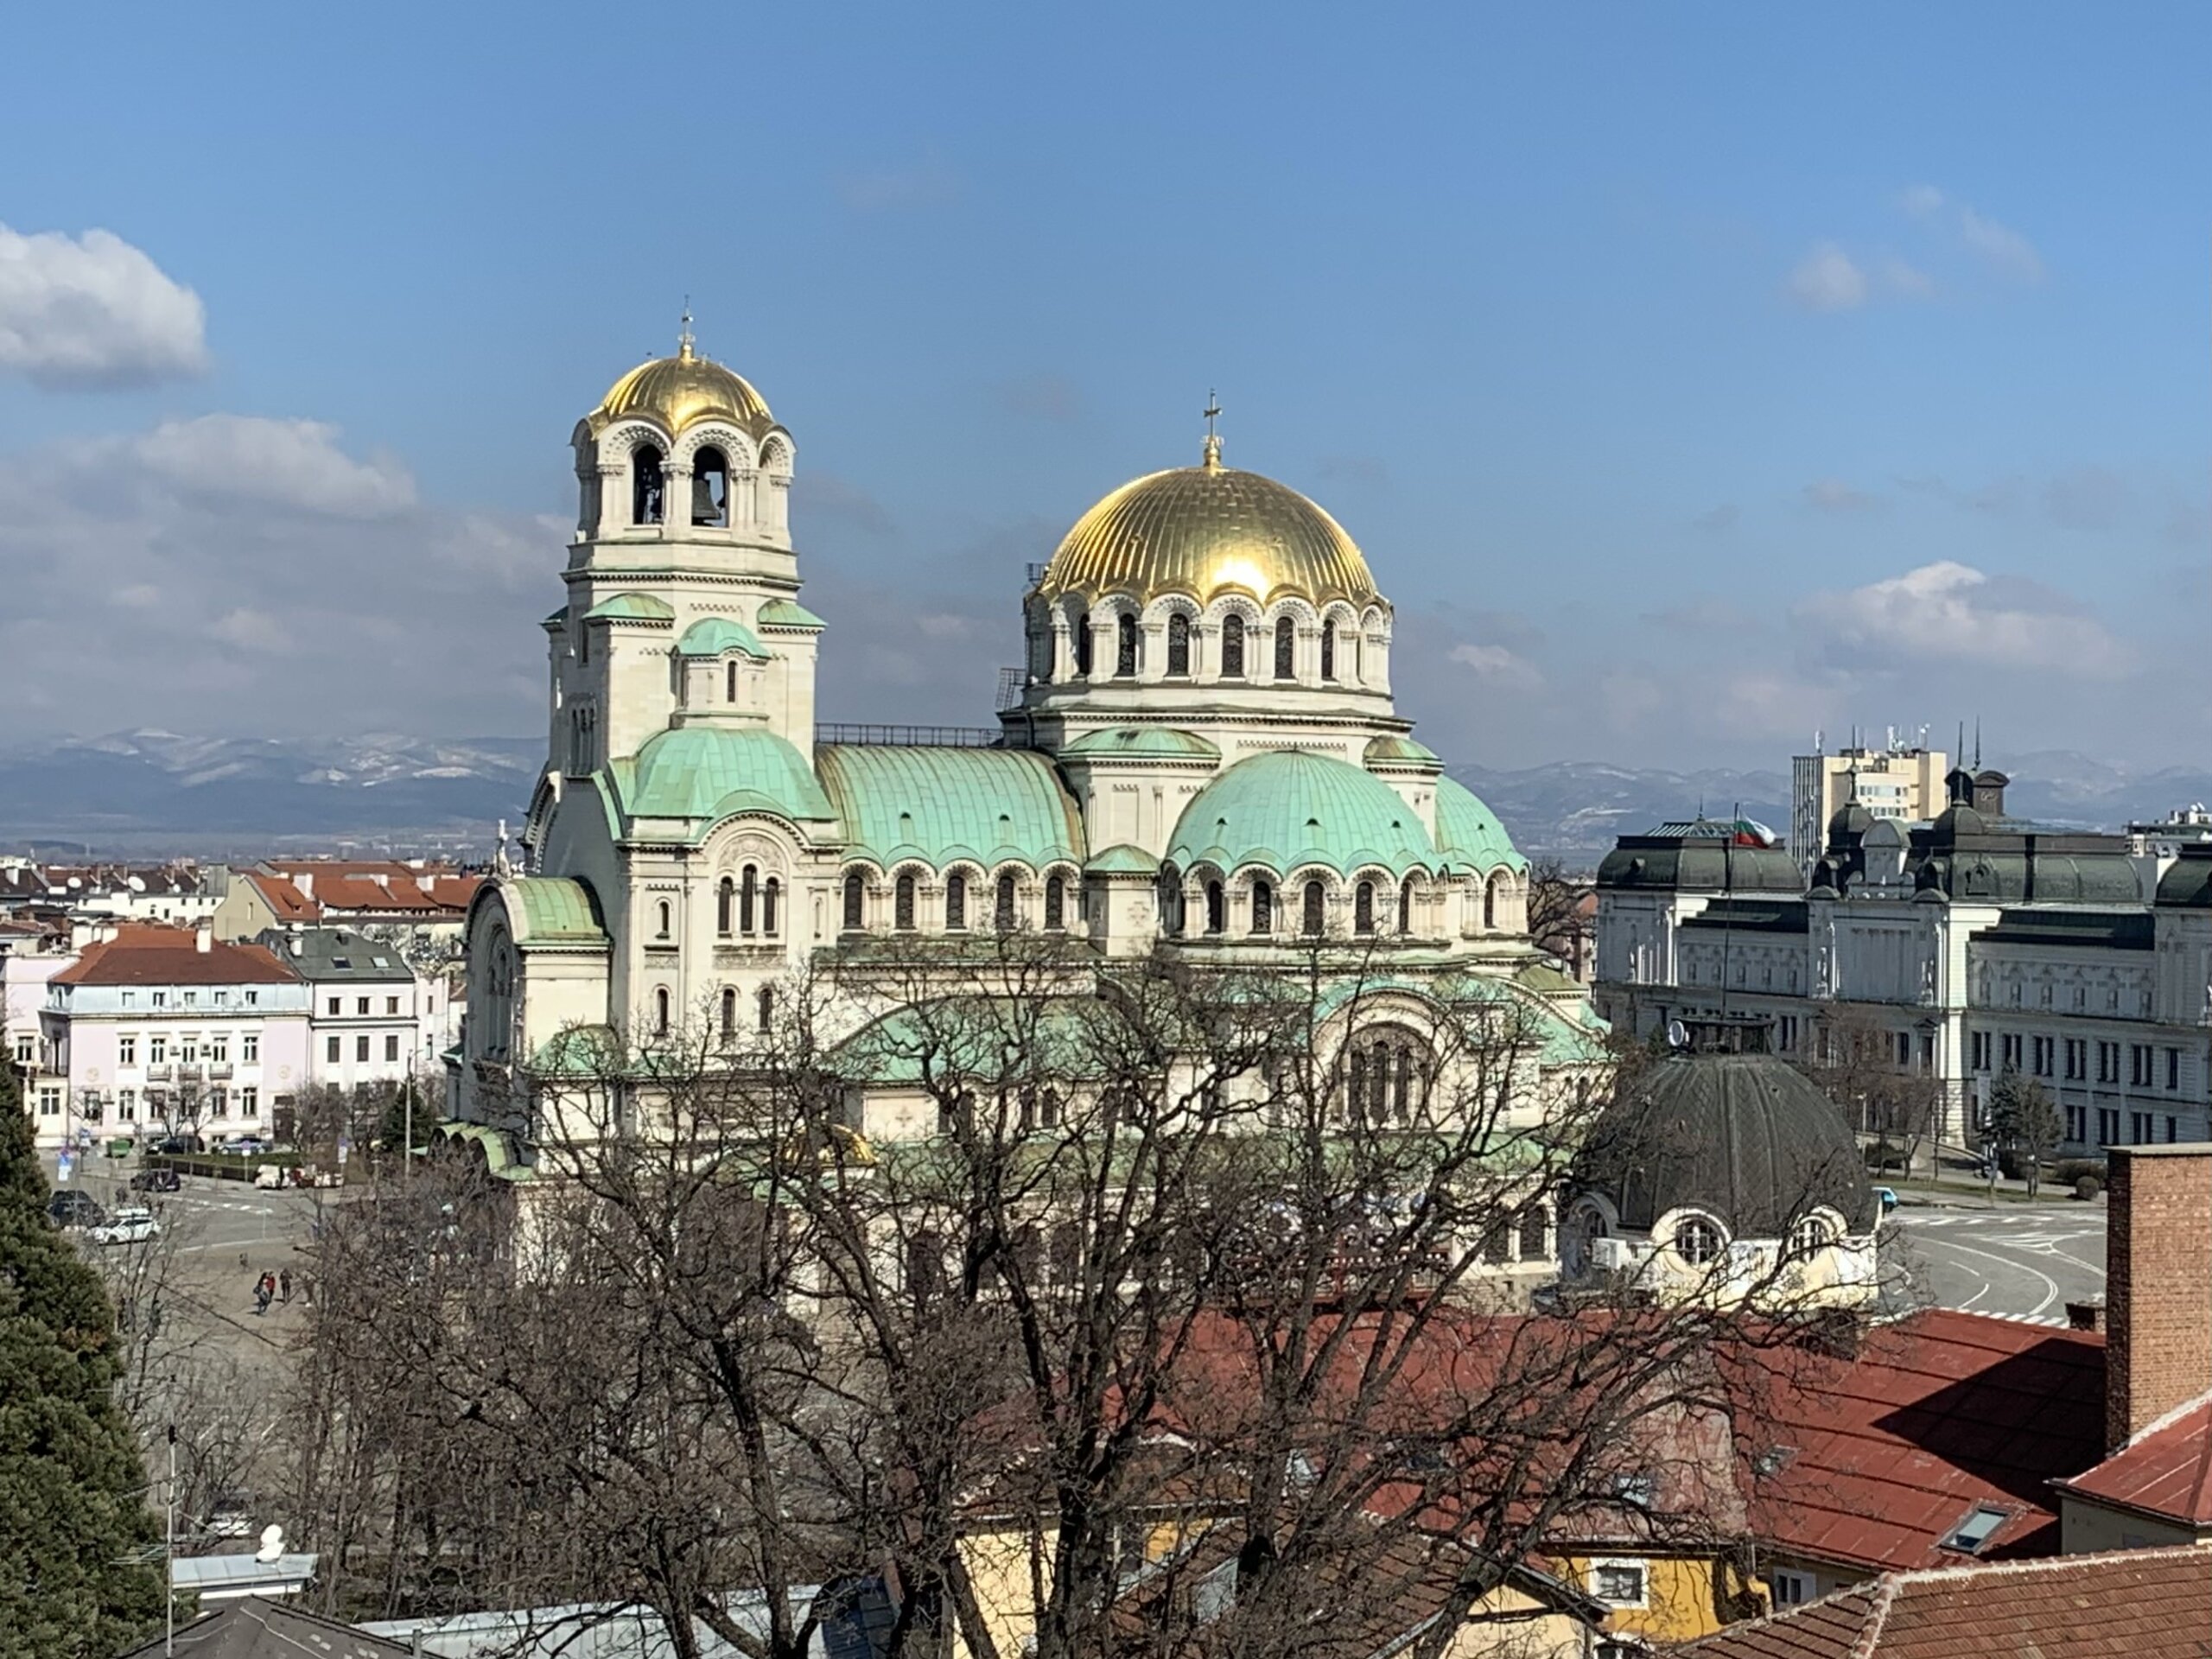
(1204, 531)
(676, 391)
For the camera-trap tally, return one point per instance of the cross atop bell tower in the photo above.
(1212, 412)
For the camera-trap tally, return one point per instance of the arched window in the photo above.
(661, 933)
(660, 1012)
(1002, 906)
(1125, 647)
(1232, 647)
(729, 681)
(1056, 904)
(1310, 922)
(1362, 908)
(1489, 903)
(769, 894)
(725, 892)
(729, 1011)
(1534, 1224)
(1083, 647)
(1217, 908)
(766, 1015)
(1809, 1237)
(1263, 908)
(709, 486)
(1285, 649)
(748, 890)
(955, 901)
(1697, 1241)
(1178, 645)
(856, 901)
(902, 905)
(646, 485)
(1406, 906)
(1329, 651)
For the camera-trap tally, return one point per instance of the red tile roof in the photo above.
(171, 956)
(304, 890)
(2166, 1470)
(2138, 1604)
(1880, 1457)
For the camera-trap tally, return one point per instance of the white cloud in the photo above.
(94, 311)
(1951, 612)
(1826, 280)
(2002, 245)
(1496, 666)
(1922, 201)
(295, 464)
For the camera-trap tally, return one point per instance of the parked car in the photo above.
(1888, 1195)
(244, 1143)
(72, 1208)
(160, 1179)
(177, 1143)
(131, 1225)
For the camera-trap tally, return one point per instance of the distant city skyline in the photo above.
(1688, 389)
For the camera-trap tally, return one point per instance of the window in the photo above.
(218, 1049)
(1406, 906)
(2107, 1061)
(748, 887)
(2077, 1059)
(391, 1046)
(2107, 1125)
(644, 485)
(2171, 1125)
(729, 681)
(1217, 908)
(1362, 908)
(729, 1011)
(160, 999)
(1534, 1224)
(126, 1104)
(767, 1011)
(1620, 1583)
(1978, 1526)
(253, 999)
(2042, 1051)
(338, 1003)
(1178, 645)
(2136, 1134)
(129, 998)
(1285, 649)
(1263, 908)
(955, 901)
(250, 1048)
(709, 487)
(1056, 904)
(249, 1103)
(2077, 1123)
(187, 1049)
(1328, 651)
(902, 905)
(1083, 647)
(660, 1012)
(49, 1103)
(856, 900)
(331, 1048)
(360, 1005)
(1002, 906)
(772, 892)
(2012, 1051)
(217, 1102)
(1697, 1241)
(191, 997)
(1809, 1237)
(1310, 922)
(362, 1047)
(391, 1005)
(2139, 1065)
(1790, 1589)
(1125, 647)
(725, 898)
(1490, 909)
(1232, 648)
(126, 1052)
(2173, 1070)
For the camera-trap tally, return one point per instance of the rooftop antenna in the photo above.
(1977, 742)
(1212, 413)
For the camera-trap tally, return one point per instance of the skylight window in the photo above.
(341, 961)
(1979, 1526)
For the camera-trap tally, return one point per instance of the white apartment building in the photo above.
(164, 1027)
(365, 1006)
(1972, 945)
(1899, 781)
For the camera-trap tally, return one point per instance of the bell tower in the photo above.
(682, 584)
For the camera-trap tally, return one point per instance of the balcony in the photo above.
(911, 737)
(218, 1071)
(159, 1073)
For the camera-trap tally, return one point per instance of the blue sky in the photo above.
(1690, 379)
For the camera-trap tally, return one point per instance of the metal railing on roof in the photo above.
(912, 737)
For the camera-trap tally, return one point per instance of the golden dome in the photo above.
(1206, 530)
(677, 391)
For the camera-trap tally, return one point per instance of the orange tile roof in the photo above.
(2166, 1470)
(171, 956)
(2135, 1604)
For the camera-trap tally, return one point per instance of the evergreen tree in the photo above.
(80, 1570)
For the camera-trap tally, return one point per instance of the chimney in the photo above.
(2157, 1285)
(1989, 792)
(203, 935)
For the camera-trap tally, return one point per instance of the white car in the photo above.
(132, 1224)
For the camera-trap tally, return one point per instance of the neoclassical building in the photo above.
(1201, 754)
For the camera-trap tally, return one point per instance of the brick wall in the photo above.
(2158, 1286)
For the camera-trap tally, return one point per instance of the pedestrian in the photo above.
(261, 1296)
(284, 1285)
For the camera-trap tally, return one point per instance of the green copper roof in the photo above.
(940, 805)
(789, 613)
(1469, 833)
(558, 619)
(632, 608)
(710, 635)
(1158, 742)
(1121, 859)
(500, 1159)
(1289, 810)
(551, 910)
(1402, 750)
(708, 772)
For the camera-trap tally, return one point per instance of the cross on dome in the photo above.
(1212, 412)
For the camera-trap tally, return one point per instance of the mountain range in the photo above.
(152, 793)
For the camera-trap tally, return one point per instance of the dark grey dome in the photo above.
(1746, 1137)
(1851, 819)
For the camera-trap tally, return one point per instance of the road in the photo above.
(2019, 1259)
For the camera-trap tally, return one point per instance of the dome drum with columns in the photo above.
(1206, 757)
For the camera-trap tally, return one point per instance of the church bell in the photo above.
(703, 508)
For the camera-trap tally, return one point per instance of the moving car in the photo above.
(1888, 1195)
(131, 1225)
(160, 1179)
(72, 1208)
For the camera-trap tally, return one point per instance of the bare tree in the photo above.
(1856, 1063)
(1561, 919)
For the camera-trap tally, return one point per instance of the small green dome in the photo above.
(710, 635)
(632, 608)
(710, 772)
(1291, 809)
(1398, 751)
(1150, 742)
(1468, 832)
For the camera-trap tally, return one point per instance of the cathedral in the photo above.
(1201, 755)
